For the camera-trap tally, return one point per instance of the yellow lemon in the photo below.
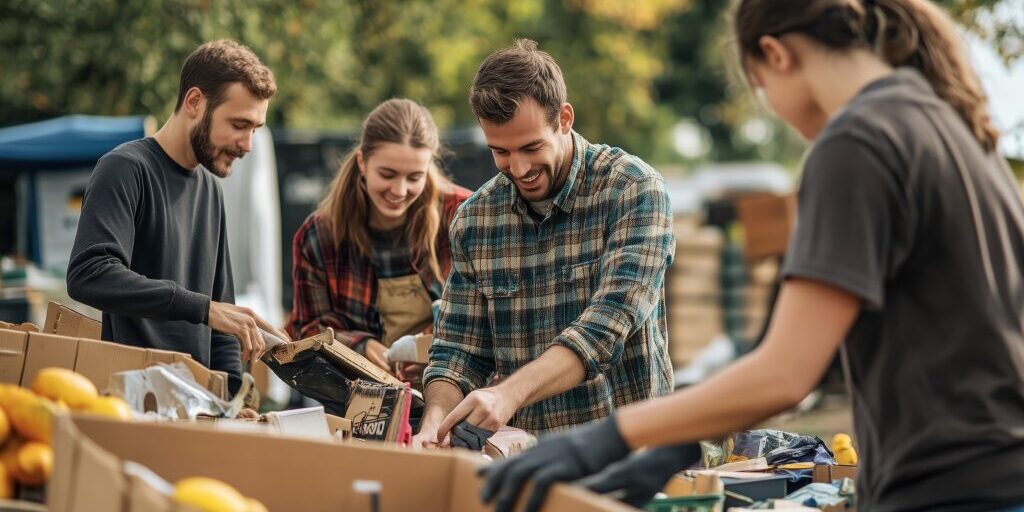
(5, 427)
(209, 495)
(35, 463)
(255, 505)
(111, 407)
(842, 448)
(31, 416)
(63, 385)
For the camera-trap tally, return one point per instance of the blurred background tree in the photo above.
(649, 76)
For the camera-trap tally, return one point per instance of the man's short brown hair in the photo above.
(214, 66)
(511, 74)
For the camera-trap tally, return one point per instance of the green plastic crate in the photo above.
(702, 503)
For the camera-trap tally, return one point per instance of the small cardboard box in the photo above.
(23, 354)
(825, 474)
(284, 473)
(377, 411)
(65, 321)
(767, 221)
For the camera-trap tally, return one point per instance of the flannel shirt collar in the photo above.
(567, 196)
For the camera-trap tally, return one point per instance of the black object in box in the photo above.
(772, 487)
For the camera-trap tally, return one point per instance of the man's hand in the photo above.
(243, 324)
(488, 408)
(427, 438)
(248, 414)
(441, 398)
(374, 351)
(410, 372)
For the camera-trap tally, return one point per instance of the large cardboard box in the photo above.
(284, 473)
(65, 321)
(23, 354)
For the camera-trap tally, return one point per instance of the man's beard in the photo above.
(204, 149)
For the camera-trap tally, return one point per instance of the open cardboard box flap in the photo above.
(283, 473)
(24, 354)
(65, 321)
(337, 352)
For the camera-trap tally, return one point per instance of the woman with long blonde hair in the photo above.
(375, 254)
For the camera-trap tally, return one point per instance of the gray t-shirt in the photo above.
(936, 357)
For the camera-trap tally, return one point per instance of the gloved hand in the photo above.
(558, 458)
(636, 479)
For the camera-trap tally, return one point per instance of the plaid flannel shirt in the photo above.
(334, 288)
(590, 276)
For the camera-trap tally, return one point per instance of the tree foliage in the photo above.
(334, 59)
(633, 68)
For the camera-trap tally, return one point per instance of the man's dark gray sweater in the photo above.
(151, 251)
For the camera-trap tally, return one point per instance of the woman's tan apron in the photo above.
(404, 307)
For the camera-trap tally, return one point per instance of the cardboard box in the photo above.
(25, 327)
(283, 473)
(23, 354)
(767, 221)
(261, 376)
(65, 321)
(825, 474)
(378, 412)
(12, 355)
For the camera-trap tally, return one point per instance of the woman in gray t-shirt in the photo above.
(907, 258)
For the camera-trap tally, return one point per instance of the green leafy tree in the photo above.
(633, 68)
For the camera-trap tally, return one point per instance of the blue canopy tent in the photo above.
(65, 142)
(48, 163)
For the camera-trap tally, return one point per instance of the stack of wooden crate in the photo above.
(693, 291)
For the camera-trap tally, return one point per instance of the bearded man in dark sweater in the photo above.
(151, 250)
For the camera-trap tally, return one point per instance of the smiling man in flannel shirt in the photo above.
(558, 269)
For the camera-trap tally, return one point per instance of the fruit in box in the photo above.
(63, 385)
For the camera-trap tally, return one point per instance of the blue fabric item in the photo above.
(65, 141)
(800, 449)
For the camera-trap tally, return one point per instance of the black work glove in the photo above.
(558, 458)
(636, 479)
(469, 436)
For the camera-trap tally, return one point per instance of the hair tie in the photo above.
(878, 42)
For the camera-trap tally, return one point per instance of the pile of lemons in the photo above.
(26, 438)
(26, 423)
